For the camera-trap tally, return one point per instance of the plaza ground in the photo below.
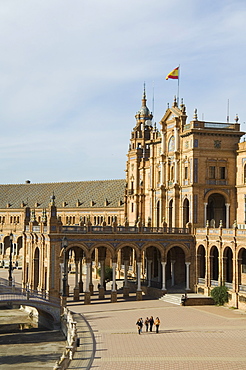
(205, 337)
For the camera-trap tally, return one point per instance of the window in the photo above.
(171, 144)
(132, 207)
(186, 173)
(212, 172)
(245, 208)
(222, 173)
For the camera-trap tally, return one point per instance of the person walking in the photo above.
(157, 324)
(151, 323)
(139, 324)
(146, 322)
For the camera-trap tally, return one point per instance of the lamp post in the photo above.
(64, 279)
(10, 258)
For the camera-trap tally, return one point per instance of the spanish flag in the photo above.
(174, 74)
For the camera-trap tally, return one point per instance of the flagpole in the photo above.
(178, 86)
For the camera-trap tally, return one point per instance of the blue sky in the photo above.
(72, 75)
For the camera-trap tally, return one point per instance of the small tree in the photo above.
(220, 295)
(108, 273)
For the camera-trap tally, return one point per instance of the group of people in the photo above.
(148, 322)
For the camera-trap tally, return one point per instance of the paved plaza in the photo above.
(206, 337)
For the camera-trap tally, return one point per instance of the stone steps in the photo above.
(172, 298)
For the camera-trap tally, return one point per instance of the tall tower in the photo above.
(138, 155)
(184, 173)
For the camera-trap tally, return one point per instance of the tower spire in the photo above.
(144, 100)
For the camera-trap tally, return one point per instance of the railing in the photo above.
(242, 288)
(16, 291)
(229, 285)
(201, 281)
(123, 230)
(214, 283)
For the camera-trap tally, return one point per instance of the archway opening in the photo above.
(228, 265)
(186, 212)
(216, 210)
(36, 269)
(170, 215)
(214, 255)
(153, 267)
(201, 261)
(175, 271)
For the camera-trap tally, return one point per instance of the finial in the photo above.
(236, 118)
(167, 105)
(144, 97)
(52, 199)
(33, 216)
(44, 216)
(144, 94)
(175, 101)
(195, 115)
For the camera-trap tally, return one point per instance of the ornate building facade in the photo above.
(176, 222)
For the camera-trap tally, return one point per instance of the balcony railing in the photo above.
(214, 283)
(242, 288)
(229, 285)
(123, 230)
(201, 281)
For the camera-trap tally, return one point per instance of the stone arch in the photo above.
(241, 258)
(19, 245)
(158, 213)
(228, 265)
(36, 266)
(186, 211)
(76, 245)
(6, 245)
(175, 267)
(201, 261)
(214, 263)
(216, 208)
(170, 213)
(180, 245)
(106, 245)
(152, 264)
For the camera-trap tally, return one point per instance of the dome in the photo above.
(143, 111)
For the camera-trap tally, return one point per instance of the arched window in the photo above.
(186, 212)
(171, 144)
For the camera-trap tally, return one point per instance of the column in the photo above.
(139, 291)
(205, 214)
(76, 288)
(133, 262)
(187, 264)
(125, 287)
(91, 286)
(172, 272)
(227, 215)
(163, 275)
(80, 276)
(87, 285)
(125, 272)
(158, 270)
(149, 262)
(101, 289)
(114, 291)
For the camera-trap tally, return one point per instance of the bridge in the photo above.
(49, 308)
